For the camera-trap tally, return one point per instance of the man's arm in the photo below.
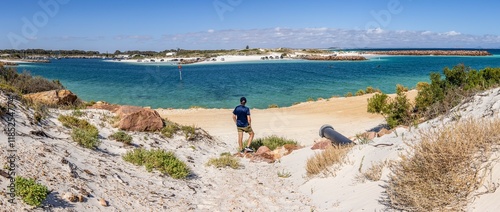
(234, 118)
(249, 120)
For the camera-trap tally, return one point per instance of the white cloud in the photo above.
(326, 37)
(452, 33)
(210, 30)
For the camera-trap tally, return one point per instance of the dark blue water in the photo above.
(221, 85)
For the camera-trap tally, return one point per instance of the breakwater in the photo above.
(432, 52)
(333, 57)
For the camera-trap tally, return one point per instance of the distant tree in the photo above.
(117, 52)
(247, 47)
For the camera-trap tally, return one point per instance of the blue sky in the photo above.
(224, 24)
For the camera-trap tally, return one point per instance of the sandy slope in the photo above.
(255, 187)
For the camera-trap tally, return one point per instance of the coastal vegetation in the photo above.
(25, 83)
(121, 137)
(271, 142)
(224, 161)
(171, 128)
(436, 98)
(322, 162)
(159, 159)
(442, 171)
(82, 132)
(31, 192)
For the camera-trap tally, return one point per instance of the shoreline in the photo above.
(300, 122)
(278, 56)
(273, 56)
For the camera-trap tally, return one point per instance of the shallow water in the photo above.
(221, 85)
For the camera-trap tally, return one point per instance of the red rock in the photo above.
(267, 157)
(322, 144)
(370, 135)
(290, 147)
(262, 149)
(53, 97)
(134, 118)
(383, 132)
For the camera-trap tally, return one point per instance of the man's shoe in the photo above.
(248, 149)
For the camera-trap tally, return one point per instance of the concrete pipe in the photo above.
(327, 131)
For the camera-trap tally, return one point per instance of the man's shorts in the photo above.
(247, 129)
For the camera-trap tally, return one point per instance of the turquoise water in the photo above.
(221, 85)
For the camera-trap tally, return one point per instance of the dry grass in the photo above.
(374, 173)
(441, 172)
(320, 163)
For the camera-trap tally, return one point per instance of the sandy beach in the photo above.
(300, 122)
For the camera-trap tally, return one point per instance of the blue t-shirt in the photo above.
(241, 113)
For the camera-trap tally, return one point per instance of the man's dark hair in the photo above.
(243, 100)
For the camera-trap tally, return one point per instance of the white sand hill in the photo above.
(63, 167)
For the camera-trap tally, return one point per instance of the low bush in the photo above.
(86, 137)
(83, 133)
(360, 92)
(273, 106)
(121, 137)
(170, 129)
(31, 192)
(189, 132)
(396, 111)
(440, 172)
(272, 142)
(461, 81)
(348, 94)
(24, 83)
(165, 162)
(224, 161)
(370, 89)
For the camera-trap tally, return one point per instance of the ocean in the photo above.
(280, 82)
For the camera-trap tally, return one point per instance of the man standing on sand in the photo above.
(241, 117)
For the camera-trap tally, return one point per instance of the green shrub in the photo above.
(396, 111)
(273, 106)
(32, 193)
(83, 133)
(272, 142)
(224, 161)
(77, 113)
(189, 132)
(121, 137)
(159, 159)
(443, 94)
(72, 122)
(370, 89)
(86, 137)
(170, 129)
(225, 154)
(348, 94)
(360, 92)
(378, 103)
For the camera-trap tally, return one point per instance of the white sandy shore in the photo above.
(255, 187)
(236, 58)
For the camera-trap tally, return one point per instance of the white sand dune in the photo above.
(255, 187)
